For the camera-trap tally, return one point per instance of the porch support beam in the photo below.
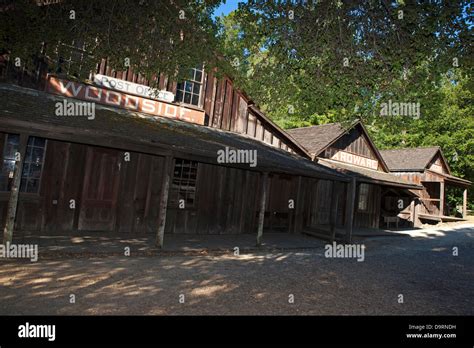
(441, 198)
(164, 194)
(15, 190)
(350, 205)
(416, 218)
(333, 211)
(263, 198)
(464, 204)
(296, 227)
(412, 211)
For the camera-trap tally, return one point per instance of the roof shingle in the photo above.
(316, 138)
(410, 159)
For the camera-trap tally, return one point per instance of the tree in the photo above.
(148, 36)
(301, 61)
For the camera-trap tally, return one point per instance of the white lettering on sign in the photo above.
(133, 88)
(351, 158)
(122, 100)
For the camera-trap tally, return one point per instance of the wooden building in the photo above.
(428, 167)
(381, 196)
(125, 171)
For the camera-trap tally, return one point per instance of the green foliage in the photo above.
(332, 61)
(155, 36)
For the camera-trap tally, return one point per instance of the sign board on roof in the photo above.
(122, 100)
(133, 88)
(347, 157)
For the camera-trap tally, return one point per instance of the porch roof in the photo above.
(451, 179)
(369, 176)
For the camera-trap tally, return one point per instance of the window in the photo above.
(32, 164)
(189, 91)
(363, 197)
(73, 60)
(12, 143)
(183, 188)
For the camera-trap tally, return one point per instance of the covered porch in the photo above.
(433, 205)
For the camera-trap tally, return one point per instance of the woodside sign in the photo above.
(346, 157)
(122, 100)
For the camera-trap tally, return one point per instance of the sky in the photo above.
(226, 7)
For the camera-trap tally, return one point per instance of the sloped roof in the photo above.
(33, 112)
(368, 175)
(316, 138)
(409, 159)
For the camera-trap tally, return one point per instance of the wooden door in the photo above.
(100, 190)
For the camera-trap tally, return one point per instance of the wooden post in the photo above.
(416, 218)
(15, 190)
(333, 211)
(297, 208)
(165, 186)
(441, 198)
(464, 204)
(412, 211)
(350, 205)
(261, 215)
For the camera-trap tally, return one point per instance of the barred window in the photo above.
(32, 164)
(189, 91)
(363, 197)
(183, 187)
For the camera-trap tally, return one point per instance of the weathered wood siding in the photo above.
(371, 217)
(224, 105)
(355, 142)
(114, 195)
(134, 202)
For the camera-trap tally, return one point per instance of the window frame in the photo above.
(177, 192)
(23, 163)
(192, 81)
(363, 197)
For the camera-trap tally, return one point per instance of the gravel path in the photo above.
(423, 270)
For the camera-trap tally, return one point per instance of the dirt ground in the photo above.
(421, 267)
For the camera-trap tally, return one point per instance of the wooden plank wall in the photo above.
(62, 180)
(226, 198)
(430, 182)
(227, 203)
(371, 217)
(224, 105)
(318, 197)
(355, 142)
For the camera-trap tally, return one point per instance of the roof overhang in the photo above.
(33, 112)
(370, 176)
(454, 180)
